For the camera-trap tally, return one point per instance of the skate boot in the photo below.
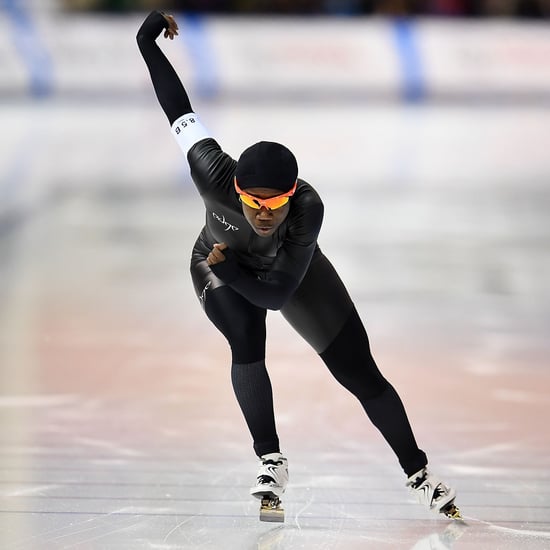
(270, 486)
(433, 493)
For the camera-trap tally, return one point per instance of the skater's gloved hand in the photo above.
(155, 23)
(223, 263)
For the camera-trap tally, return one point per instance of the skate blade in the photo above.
(451, 511)
(271, 510)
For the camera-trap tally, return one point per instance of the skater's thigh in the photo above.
(320, 306)
(241, 322)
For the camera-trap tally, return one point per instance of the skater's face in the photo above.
(265, 221)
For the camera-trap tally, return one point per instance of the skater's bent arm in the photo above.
(168, 87)
(271, 293)
(289, 267)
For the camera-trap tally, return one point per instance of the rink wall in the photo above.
(50, 53)
(65, 83)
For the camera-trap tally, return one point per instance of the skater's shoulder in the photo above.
(306, 194)
(211, 166)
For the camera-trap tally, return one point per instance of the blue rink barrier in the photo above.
(31, 48)
(410, 61)
(363, 58)
(196, 43)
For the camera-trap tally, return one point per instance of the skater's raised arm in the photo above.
(168, 87)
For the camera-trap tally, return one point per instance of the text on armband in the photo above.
(184, 123)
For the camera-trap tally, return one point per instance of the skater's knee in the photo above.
(247, 342)
(242, 324)
(364, 386)
(246, 354)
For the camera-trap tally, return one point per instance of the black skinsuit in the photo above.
(285, 271)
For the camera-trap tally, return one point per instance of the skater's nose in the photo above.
(264, 213)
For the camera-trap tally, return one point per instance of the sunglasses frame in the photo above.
(257, 203)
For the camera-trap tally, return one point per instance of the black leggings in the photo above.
(322, 312)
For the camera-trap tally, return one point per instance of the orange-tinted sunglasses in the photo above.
(271, 204)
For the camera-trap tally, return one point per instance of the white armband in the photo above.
(187, 130)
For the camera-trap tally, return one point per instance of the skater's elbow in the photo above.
(142, 39)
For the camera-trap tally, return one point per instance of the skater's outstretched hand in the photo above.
(172, 29)
(155, 23)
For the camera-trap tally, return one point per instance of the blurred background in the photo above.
(425, 126)
(465, 8)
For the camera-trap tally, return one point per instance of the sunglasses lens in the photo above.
(272, 204)
(249, 201)
(276, 202)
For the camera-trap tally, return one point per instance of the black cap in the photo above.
(267, 164)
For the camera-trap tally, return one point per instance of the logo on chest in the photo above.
(228, 226)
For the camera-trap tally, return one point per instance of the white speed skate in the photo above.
(433, 493)
(270, 485)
